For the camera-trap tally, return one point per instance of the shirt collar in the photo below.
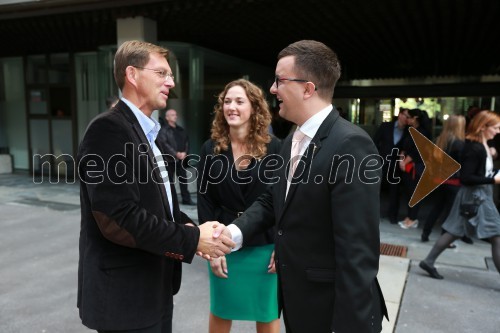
(311, 126)
(149, 126)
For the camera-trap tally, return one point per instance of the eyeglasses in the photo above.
(160, 72)
(277, 80)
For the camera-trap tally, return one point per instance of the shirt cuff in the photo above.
(236, 236)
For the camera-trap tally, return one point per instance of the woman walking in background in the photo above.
(477, 178)
(243, 284)
(451, 141)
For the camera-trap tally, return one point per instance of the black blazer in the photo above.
(223, 192)
(384, 138)
(168, 137)
(130, 248)
(327, 239)
(474, 164)
(410, 148)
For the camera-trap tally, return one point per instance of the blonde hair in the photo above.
(453, 129)
(260, 119)
(134, 53)
(483, 119)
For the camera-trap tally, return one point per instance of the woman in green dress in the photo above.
(235, 168)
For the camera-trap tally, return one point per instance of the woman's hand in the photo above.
(402, 165)
(272, 265)
(493, 152)
(219, 267)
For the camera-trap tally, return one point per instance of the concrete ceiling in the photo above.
(374, 39)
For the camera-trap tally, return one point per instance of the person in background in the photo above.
(176, 143)
(390, 136)
(477, 177)
(240, 148)
(412, 165)
(451, 141)
(133, 237)
(342, 113)
(472, 111)
(111, 101)
(327, 244)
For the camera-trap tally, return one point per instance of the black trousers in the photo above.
(443, 200)
(164, 326)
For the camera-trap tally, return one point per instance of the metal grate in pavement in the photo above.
(393, 250)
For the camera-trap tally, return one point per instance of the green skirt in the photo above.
(249, 292)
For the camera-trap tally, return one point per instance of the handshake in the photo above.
(215, 240)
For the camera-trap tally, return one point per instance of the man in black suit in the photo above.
(327, 241)
(176, 142)
(133, 236)
(389, 139)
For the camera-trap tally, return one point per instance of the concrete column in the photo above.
(140, 28)
(137, 28)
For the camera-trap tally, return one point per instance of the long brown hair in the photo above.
(483, 119)
(453, 129)
(260, 119)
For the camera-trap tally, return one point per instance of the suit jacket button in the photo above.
(181, 257)
(280, 232)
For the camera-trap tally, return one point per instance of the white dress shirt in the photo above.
(151, 127)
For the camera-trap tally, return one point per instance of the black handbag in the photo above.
(469, 210)
(470, 204)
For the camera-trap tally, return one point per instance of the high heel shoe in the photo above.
(431, 270)
(467, 240)
(410, 225)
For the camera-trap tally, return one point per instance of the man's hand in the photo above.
(180, 155)
(210, 246)
(221, 230)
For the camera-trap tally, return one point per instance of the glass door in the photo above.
(50, 115)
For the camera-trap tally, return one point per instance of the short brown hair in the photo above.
(134, 53)
(260, 120)
(315, 62)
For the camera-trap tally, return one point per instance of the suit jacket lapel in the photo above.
(125, 110)
(304, 166)
(283, 174)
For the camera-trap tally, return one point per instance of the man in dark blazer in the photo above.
(390, 136)
(176, 142)
(327, 240)
(133, 236)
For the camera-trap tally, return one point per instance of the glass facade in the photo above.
(13, 127)
(47, 101)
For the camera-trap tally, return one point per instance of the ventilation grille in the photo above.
(393, 250)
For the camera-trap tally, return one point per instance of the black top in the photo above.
(411, 149)
(454, 149)
(223, 191)
(473, 170)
